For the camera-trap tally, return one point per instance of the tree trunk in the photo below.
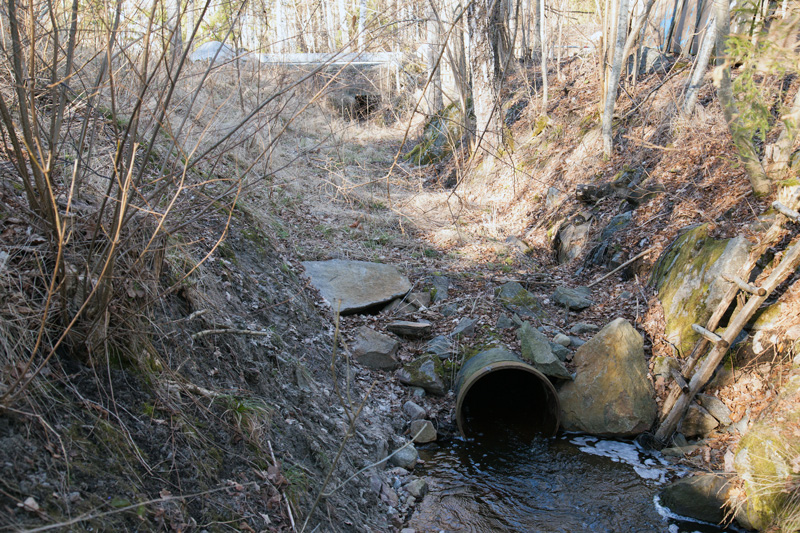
(741, 137)
(636, 30)
(781, 151)
(486, 66)
(536, 27)
(700, 66)
(434, 94)
(613, 79)
(362, 19)
(543, 44)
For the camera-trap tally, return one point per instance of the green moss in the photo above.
(441, 134)
(682, 279)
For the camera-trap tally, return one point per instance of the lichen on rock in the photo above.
(688, 277)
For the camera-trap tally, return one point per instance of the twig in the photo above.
(85, 517)
(346, 481)
(623, 265)
(227, 330)
(347, 436)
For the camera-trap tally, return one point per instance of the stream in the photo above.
(566, 484)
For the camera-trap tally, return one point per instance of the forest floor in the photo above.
(252, 426)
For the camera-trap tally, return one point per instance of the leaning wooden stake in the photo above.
(787, 266)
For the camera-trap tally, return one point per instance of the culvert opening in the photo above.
(505, 399)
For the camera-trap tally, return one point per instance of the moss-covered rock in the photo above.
(441, 134)
(688, 277)
(426, 372)
(519, 300)
(768, 460)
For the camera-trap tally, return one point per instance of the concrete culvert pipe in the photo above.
(497, 393)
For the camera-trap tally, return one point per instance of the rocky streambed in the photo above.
(420, 333)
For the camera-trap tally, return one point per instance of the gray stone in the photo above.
(576, 299)
(579, 328)
(413, 410)
(425, 372)
(562, 352)
(572, 237)
(519, 300)
(405, 457)
(419, 299)
(562, 339)
(441, 284)
(375, 350)
(422, 431)
(536, 350)
(625, 295)
(514, 242)
(353, 286)
(663, 367)
(464, 328)
(375, 484)
(440, 346)
(715, 408)
(702, 497)
(418, 488)
(611, 394)
(417, 392)
(411, 330)
(449, 309)
(599, 255)
(554, 197)
(504, 322)
(697, 422)
(576, 341)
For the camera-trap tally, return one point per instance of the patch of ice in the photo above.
(645, 464)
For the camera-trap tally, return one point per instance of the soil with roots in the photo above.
(231, 403)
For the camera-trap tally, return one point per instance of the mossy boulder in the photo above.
(768, 460)
(426, 372)
(441, 134)
(519, 300)
(688, 277)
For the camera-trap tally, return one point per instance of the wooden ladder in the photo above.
(682, 393)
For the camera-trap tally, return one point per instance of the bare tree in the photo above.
(489, 46)
(700, 67)
(741, 136)
(612, 82)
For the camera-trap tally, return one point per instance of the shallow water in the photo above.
(568, 484)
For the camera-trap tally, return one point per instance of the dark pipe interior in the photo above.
(509, 401)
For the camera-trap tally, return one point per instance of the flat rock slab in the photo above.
(411, 330)
(354, 286)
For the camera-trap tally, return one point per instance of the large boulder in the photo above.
(702, 497)
(688, 277)
(353, 286)
(768, 460)
(611, 394)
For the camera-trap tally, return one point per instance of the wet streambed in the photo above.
(567, 484)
